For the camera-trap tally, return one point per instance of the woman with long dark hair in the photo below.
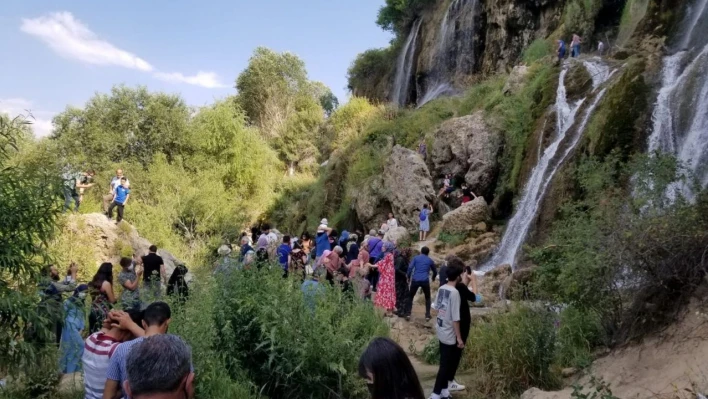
(101, 289)
(388, 372)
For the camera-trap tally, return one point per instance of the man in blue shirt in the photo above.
(120, 197)
(284, 251)
(322, 240)
(419, 274)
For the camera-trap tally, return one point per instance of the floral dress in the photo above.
(386, 293)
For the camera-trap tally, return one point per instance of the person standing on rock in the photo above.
(447, 327)
(153, 272)
(467, 194)
(561, 50)
(424, 217)
(419, 273)
(423, 150)
(120, 198)
(73, 185)
(115, 182)
(575, 46)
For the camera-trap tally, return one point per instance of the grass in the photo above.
(452, 240)
(537, 50)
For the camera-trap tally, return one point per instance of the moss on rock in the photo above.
(615, 125)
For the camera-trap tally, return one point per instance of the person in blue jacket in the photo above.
(419, 273)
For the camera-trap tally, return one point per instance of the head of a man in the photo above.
(265, 228)
(425, 251)
(120, 334)
(157, 317)
(160, 367)
(286, 239)
(90, 173)
(123, 181)
(119, 172)
(52, 272)
(152, 249)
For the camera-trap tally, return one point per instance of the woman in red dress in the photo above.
(386, 291)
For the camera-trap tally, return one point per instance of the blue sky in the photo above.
(56, 52)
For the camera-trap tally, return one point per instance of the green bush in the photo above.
(288, 350)
(538, 49)
(579, 333)
(452, 240)
(513, 352)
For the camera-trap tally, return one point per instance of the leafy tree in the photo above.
(130, 123)
(327, 99)
(397, 14)
(370, 73)
(28, 213)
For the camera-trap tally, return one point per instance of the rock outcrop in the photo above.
(397, 235)
(408, 185)
(104, 241)
(466, 218)
(371, 204)
(468, 147)
(516, 80)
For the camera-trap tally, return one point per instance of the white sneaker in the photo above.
(454, 386)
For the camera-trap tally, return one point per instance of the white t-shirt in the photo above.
(447, 304)
(392, 223)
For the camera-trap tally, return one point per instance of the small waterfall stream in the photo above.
(404, 66)
(549, 163)
(680, 115)
(454, 50)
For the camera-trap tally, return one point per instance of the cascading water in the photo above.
(548, 163)
(454, 50)
(681, 113)
(404, 66)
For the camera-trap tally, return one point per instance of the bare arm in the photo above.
(163, 273)
(133, 285)
(111, 391)
(127, 197)
(108, 290)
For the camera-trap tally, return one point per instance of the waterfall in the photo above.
(680, 118)
(404, 66)
(454, 50)
(549, 163)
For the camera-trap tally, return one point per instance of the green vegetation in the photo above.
(452, 240)
(512, 352)
(579, 17)
(290, 345)
(396, 15)
(537, 50)
(371, 72)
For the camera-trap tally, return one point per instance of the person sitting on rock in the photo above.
(467, 194)
(392, 223)
(447, 187)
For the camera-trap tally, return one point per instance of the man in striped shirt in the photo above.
(100, 347)
(156, 320)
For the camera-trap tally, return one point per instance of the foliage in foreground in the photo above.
(513, 352)
(267, 332)
(631, 260)
(28, 213)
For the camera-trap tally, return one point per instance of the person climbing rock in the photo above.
(74, 183)
(467, 194)
(447, 187)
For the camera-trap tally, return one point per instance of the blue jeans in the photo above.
(69, 194)
(575, 51)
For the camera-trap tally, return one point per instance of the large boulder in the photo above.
(468, 147)
(408, 186)
(397, 235)
(516, 80)
(371, 205)
(466, 218)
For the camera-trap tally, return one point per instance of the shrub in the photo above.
(579, 332)
(538, 49)
(288, 349)
(513, 352)
(632, 260)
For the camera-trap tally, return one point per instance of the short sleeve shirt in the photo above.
(447, 304)
(128, 298)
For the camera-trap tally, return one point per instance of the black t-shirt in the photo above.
(466, 192)
(151, 266)
(466, 296)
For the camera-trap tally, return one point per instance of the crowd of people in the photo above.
(372, 268)
(67, 317)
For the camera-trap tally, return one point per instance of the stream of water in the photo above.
(404, 66)
(564, 141)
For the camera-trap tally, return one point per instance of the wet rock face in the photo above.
(511, 25)
(467, 147)
(407, 185)
(371, 205)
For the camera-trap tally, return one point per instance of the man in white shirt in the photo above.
(448, 331)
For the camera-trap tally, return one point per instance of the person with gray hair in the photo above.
(160, 367)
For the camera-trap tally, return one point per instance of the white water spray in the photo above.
(404, 67)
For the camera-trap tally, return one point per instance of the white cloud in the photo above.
(41, 120)
(71, 39)
(74, 40)
(204, 79)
